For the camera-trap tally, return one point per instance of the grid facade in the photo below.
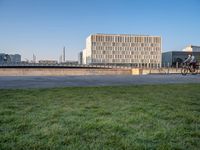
(134, 50)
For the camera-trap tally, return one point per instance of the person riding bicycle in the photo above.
(191, 60)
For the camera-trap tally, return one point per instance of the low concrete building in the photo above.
(70, 62)
(173, 58)
(48, 61)
(16, 58)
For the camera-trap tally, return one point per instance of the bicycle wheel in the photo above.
(184, 71)
(195, 71)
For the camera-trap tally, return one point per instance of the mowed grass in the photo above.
(126, 117)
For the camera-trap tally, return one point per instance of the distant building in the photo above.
(63, 54)
(10, 58)
(34, 59)
(80, 58)
(4, 58)
(48, 61)
(172, 58)
(60, 59)
(123, 49)
(70, 62)
(16, 58)
(192, 48)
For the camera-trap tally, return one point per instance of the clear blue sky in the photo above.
(43, 27)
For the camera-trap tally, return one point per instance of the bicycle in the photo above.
(189, 68)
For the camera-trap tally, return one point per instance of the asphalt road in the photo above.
(75, 81)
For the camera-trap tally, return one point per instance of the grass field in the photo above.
(126, 117)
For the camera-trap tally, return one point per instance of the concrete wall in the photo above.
(155, 71)
(68, 71)
(60, 71)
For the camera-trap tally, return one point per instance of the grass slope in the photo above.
(129, 117)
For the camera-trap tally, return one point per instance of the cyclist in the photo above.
(191, 60)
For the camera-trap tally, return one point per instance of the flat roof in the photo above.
(194, 46)
(124, 35)
(179, 52)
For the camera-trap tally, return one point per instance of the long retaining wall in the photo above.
(61, 71)
(138, 71)
(82, 71)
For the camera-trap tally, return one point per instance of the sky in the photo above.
(43, 27)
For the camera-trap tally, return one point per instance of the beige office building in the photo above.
(123, 49)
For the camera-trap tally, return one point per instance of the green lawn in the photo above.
(125, 117)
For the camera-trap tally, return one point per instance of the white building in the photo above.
(80, 58)
(123, 49)
(192, 48)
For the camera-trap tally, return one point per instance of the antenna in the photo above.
(64, 54)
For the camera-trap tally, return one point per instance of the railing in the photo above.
(58, 65)
(16, 65)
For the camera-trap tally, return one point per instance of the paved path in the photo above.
(69, 81)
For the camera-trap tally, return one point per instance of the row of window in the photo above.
(125, 44)
(120, 38)
(127, 56)
(123, 61)
(103, 52)
(126, 48)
